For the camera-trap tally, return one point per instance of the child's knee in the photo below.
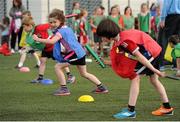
(84, 74)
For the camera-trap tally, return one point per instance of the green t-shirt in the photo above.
(128, 22)
(114, 19)
(97, 19)
(144, 22)
(75, 23)
(176, 51)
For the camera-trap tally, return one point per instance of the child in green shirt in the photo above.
(175, 44)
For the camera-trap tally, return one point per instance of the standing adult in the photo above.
(170, 22)
(16, 15)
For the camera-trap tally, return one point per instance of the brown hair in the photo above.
(81, 14)
(57, 14)
(127, 9)
(174, 39)
(28, 20)
(107, 28)
(19, 3)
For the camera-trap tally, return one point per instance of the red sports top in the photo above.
(129, 41)
(42, 31)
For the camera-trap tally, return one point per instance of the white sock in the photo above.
(20, 64)
(38, 63)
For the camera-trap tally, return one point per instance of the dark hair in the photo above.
(107, 28)
(57, 14)
(19, 3)
(102, 7)
(127, 9)
(174, 39)
(74, 4)
(6, 20)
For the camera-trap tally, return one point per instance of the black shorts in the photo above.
(47, 54)
(80, 61)
(147, 71)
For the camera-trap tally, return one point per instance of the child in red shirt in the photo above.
(134, 53)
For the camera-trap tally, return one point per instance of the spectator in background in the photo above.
(75, 10)
(118, 7)
(174, 41)
(16, 15)
(126, 21)
(102, 9)
(4, 27)
(83, 27)
(155, 23)
(94, 22)
(153, 10)
(114, 15)
(170, 24)
(144, 19)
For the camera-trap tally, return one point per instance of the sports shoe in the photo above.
(12, 51)
(125, 113)
(71, 79)
(163, 111)
(36, 66)
(63, 91)
(17, 67)
(35, 81)
(100, 89)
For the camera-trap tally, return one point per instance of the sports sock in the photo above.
(68, 73)
(131, 108)
(99, 85)
(63, 86)
(167, 105)
(20, 64)
(40, 77)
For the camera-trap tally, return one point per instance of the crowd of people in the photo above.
(133, 42)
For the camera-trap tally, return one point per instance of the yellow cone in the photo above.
(86, 98)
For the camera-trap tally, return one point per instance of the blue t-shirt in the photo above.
(69, 42)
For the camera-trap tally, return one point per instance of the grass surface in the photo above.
(22, 101)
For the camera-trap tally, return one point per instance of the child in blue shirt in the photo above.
(68, 51)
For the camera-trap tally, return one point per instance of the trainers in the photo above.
(125, 113)
(100, 89)
(12, 51)
(17, 67)
(63, 91)
(163, 111)
(36, 81)
(71, 79)
(36, 66)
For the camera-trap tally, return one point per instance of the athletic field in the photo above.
(22, 101)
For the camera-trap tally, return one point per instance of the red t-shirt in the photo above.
(42, 31)
(122, 64)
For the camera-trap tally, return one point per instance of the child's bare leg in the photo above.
(159, 87)
(85, 74)
(37, 58)
(59, 67)
(42, 65)
(66, 69)
(22, 58)
(134, 91)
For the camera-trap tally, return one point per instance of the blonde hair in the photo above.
(28, 20)
(28, 13)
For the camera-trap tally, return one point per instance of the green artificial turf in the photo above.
(22, 101)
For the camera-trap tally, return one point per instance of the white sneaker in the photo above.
(12, 51)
